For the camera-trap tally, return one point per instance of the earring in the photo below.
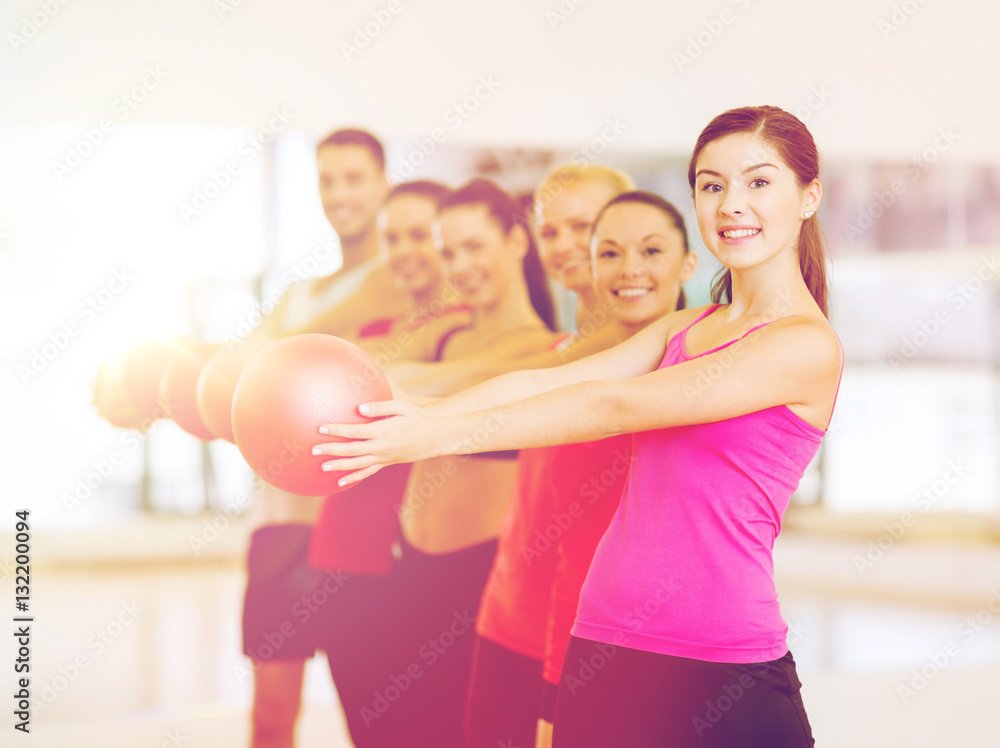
(809, 214)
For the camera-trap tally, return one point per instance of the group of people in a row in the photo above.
(447, 629)
(563, 536)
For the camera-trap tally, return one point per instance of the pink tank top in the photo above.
(685, 568)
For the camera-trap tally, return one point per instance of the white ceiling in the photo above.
(886, 98)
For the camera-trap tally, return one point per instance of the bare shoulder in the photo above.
(811, 340)
(804, 355)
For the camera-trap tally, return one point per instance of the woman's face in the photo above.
(405, 231)
(563, 227)
(749, 203)
(478, 258)
(640, 262)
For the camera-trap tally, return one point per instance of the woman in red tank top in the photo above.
(641, 258)
(505, 684)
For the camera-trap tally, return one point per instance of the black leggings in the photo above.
(615, 696)
(424, 652)
(505, 695)
(357, 649)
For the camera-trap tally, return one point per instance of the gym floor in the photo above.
(147, 653)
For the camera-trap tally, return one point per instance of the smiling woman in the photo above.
(448, 542)
(566, 203)
(722, 199)
(637, 260)
(406, 237)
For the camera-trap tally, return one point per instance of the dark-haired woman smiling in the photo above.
(451, 512)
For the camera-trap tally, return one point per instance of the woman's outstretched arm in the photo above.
(442, 378)
(794, 362)
(639, 354)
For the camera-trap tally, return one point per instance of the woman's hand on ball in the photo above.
(399, 434)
